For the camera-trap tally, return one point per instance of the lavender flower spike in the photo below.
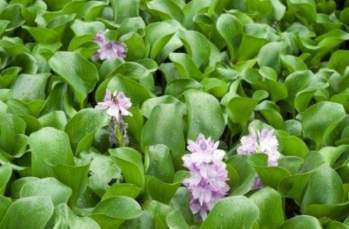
(108, 50)
(208, 175)
(261, 141)
(116, 104)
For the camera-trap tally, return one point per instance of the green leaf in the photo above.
(165, 9)
(49, 146)
(230, 28)
(4, 205)
(269, 55)
(294, 186)
(197, 46)
(245, 175)
(122, 189)
(110, 213)
(150, 104)
(11, 135)
(125, 9)
(55, 4)
(232, 212)
(178, 86)
(270, 207)
(215, 86)
(301, 86)
(185, 66)
(236, 114)
(175, 220)
(255, 37)
(44, 35)
(272, 176)
(291, 145)
(130, 162)
(165, 126)
(49, 187)
(159, 212)
(55, 119)
(64, 217)
(160, 38)
(29, 87)
(5, 175)
(135, 45)
(134, 90)
(160, 190)
(305, 10)
(8, 75)
(300, 222)
(159, 163)
(103, 170)
(317, 126)
(292, 63)
(81, 28)
(145, 221)
(327, 180)
(180, 202)
(33, 212)
(83, 126)
(333, 211)
(77, 71)
(192, 9)
(204, 115)
(134, 24)
(77, 183)
(339, 60)
(270, 112)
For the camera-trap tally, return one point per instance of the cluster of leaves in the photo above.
(200, 66)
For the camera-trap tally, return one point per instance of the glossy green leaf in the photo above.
(159, 163)
(49, 187)
(165, 126)
(84, 125)
(77, 71)
(223, 215)
(112, 212)
(270, 207)
(317, 126)
(34, 213)
(204, 115)
(130, 162)
(302, 221)
(48, 147)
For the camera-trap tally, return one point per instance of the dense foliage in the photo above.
(208, 68)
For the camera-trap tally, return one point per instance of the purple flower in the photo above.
(108, 50)
(261, 141)
(208, 175)
(257, 183)
(116, 105)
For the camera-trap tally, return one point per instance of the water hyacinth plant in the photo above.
(179, 114)
(260, 141)
(208, 175)
(108, 50)
(117, 106)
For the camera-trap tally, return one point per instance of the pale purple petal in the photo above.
(262, 141)
(257, 183)
(108, 50)
(113, 111)
(208, 175)
(100, 39)
(249, 144)
(120, 49)
(116, 104)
